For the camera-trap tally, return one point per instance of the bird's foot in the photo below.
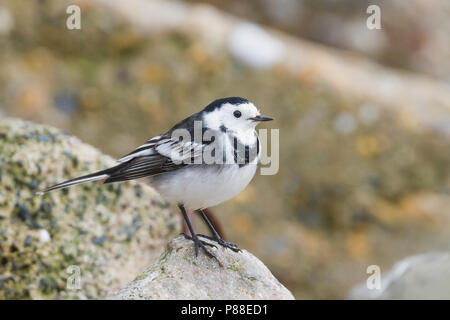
(222, 242)
(201, 244)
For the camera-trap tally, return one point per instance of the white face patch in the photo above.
(234, 118)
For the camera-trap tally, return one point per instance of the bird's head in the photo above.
(232, 114)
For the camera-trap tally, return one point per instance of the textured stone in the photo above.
(111, 232)
(178, 274)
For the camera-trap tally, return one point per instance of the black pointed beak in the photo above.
(261, 118)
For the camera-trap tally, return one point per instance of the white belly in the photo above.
(203, 186)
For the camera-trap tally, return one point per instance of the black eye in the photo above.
(237, 114)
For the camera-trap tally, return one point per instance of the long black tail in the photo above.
(104, 174)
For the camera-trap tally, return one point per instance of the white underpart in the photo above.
(203, 186)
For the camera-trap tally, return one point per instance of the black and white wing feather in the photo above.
(143, 150)
(158, 155)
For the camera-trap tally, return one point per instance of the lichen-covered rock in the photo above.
(424, 276)
(178, 274)
(109, 232)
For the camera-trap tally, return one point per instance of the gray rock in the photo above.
(109, 233)
(425, 276)
(178, 274)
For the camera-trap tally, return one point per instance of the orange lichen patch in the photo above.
(32, 99)
(125, 39)
(38, 60)
(357, 243)
(198, 53)
(421, 209)
(153, 73)
(367, 146)
(387, 213)
(426, 208)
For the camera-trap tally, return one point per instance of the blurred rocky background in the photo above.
(364, 115)
(414, 33)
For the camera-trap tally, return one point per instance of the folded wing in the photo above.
(158, 155)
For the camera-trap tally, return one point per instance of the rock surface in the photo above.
(178, 274)
(108, 232)
(425, 276)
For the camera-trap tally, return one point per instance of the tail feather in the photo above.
(104, 174)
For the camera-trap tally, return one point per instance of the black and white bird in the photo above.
(213, 164)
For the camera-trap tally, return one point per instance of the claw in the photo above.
(201, 244)
(222, 242)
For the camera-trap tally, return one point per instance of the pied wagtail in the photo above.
(178, 168)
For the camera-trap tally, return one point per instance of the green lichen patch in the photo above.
(235, 265)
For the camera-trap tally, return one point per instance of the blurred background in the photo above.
(364, 115)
